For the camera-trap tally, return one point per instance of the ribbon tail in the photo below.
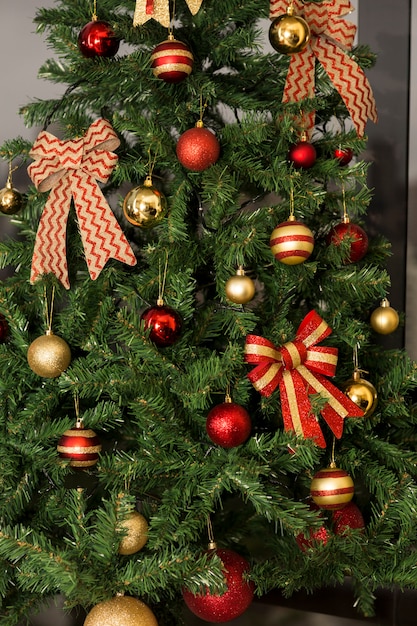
(297, 413)
(146, 9)
(49, 254)
(350, 81)
(265, 377)
(300, 82)
(194, 5)
(101, 234)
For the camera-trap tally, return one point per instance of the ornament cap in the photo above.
(346, 219)
(291, 218)
(385, 303)
(160, 302)
(49, 332)
(212, 545)
(148, 182)
(240, 271)
(199, 124)
(228, 398)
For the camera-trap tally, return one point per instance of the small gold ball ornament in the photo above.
(137, 533)
(384, 319)
(361, 392)
(49, 355)
(11, 200)
(121, 611)
(240, 289)
(289, 33)
(145, 206)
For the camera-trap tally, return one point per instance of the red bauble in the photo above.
(228, 424)
(4, 328)
(354, 233)
(80, 446)
(305, 542)
(198, 148)
(302, 154)
(348, 517)
(343, 155)
(234, 601)
(172, 61)
(98, 39)
(165, 324)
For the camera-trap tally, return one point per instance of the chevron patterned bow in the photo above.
(70, 170)
(331, 37)
(159, 11)
(299, 367)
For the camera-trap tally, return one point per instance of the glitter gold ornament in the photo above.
(331, 488)
(384, 319)
(289, 33)
(121, 611)
(80, 446)
(240, 288)
(145, 206)
(136, 528)
(49, 355)
(291, 242)
(361, 392)
(11, 200)
(171, 60)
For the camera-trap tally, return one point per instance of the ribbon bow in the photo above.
(70, 169)
(159, 10)
(331, 37)
(299, 367)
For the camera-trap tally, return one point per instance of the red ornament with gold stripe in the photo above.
(80, 445)
(332, 488)
(171, 60)
(292, 242)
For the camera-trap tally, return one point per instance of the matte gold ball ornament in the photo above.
(121, 611)
(145, 206)
(136, 527)
(361, 392)
(384, 319)
(49, 355)
(289, 33)
(240, 288)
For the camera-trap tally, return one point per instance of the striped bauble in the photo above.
(332, 488)
(80, 446)
(172, 61)
(291, 242)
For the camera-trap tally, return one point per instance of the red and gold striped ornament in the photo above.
(171, 60)
(292, 242)
(332, 488)
(81, 446)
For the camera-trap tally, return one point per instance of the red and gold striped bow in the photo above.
(331, 38)
(159, 11)
(299, 368)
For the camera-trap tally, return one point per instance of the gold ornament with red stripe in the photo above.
(70, 170)
(80, 446)
(292, 242)
(331, 39)
(299, 368)
(159, 11)
(332, 488)
(172, 60)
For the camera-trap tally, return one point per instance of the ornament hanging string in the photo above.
(162, 281)
(159, 11)
(70, 171)
(300, 368)
(331, 39)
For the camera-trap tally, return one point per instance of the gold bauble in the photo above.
(137, 533)
(49, 355)
(332, 488)
(145, 206)
(11, 200)
(121, 611)
(289, 33)
(240, 288)
(362, 393)
(385, 319)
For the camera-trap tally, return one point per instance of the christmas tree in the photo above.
(197, 406)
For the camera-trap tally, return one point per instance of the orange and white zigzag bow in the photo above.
(299, 367)
(331, 37)
(71, 169)
(159, 11)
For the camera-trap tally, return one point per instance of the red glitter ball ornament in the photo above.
(348, 517)
(234, 601)
(343, 155)
(80, 445)
(314, 536)
(228, 424)
(164, 323)
(302, 154)
(98, 39)
(357, 236)
(171, 60)
(198, 148)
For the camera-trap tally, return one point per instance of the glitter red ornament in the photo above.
(291, 242)
(171, 60)
(331, 488)
(165, 324)
(350, 517)
(198, 148)
(346, 231)
(228, 424)
(80, 446)
(302, 154)
(217, 608)
(98, 39)
(343, 155)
